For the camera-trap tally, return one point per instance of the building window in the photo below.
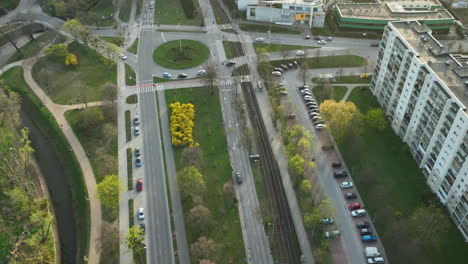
(252, 12)
(292, 8)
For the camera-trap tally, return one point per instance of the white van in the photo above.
(371, 252)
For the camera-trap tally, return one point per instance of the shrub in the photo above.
(71, 60)
(182, 124)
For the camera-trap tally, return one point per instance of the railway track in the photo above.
(289, 251)
(221, 16)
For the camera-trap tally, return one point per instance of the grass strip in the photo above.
(340, 61)
(131, 213)
(323, 93)
(134, 48)
(352, 79)
(266, 27)
(267, 47)
(129, 169)
(130, 76)
(114, 40)
(128, 128)
(132, 99)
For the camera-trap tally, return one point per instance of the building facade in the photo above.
(423, 90)
(375, 16)
(288, 12)
(242, 4)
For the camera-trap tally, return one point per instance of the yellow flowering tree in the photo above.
(71, 60)
(182, 123)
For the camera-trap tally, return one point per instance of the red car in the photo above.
(139, 185)
(307, 37)
(354, 206)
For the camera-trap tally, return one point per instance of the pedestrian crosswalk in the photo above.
(150, 88)
(147, 26)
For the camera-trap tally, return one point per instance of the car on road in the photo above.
(260, 40)
(122, 56)
(136, 131)
(365, 231)
(340, 174)
(374, 44)
(321, 42)
(327, 220)
(139, 185)
(143, 227)
(138, 162)
(239, 178)
(350, 196)
(334, 233)
(182, 76)
(369, 238)
(276, 73)
(317, 38)
(359, 212)
(151, 5)
(136, 121)
(377, 260)
(141, 214)
(336, 164)
(167, 75)
(230, 63)
(137, 152)
(328, 38)
(300, 53)
(320, 126)
(307, 37)
(346, 184)
(354, 206)
(363, 224)
(201, 72)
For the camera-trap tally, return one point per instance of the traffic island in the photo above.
(181, 54)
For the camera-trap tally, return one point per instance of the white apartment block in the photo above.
(423, 90)
(242, 4)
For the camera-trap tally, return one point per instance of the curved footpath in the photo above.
(58, 113)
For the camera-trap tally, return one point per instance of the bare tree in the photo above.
(302, 73)
(211, 75)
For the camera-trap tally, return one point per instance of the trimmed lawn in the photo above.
(323, 93)
(266, 47)
(169, 55)
(130, 76)
(389, 180)
(327, 61)
(33, 47)
(115, 40)
(134, 48)
(81, 83)
(216, 169)
(124, 10)
(94, 16)
(353, 79)
(170, 12)
(266, 27)
(132, 99)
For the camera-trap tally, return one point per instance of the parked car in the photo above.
(369, 238)
(141, 214)
(321, 42)
(182, 76)
(295, 64)
(285, 67)
(138, 162)
(122, 56)
(136, 131)
(230, 63)
(276, 73)
(283, 92)
(366, 231)
(374, 44)
(318, 122)
(336, 164)
(320, 126)
(143, 227)
(167, 75)
(314, 114)
(354, 206)
(260, 40)
(136, 121)
(290, 65)
(300, 53)
(327, 220)
(139, 185)
(340, 174)
(239, 178)
(334, 233)
(137, 152)
(317, 38)
(350, 196)
(346, 184)
(301, 87)
(359, 212)
(377, 260)
(201, 72)
(307, 37)
(316, 118)
(363, 224)
(278, 69)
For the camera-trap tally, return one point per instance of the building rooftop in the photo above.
(395, 10)
(452, 69)
(294, 2)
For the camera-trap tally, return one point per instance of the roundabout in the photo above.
(181, 54)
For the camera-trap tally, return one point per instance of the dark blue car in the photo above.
(138, 162)
(369, 238)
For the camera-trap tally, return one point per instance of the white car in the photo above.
(314, 114)
(141, 214)
(201, 72)
(122, 56)
(323, 42)
(346, 184)
(320, 126)
(375, 260)
(300, 53)
(276, 73)
(360, 212)
(334, 233)
(260, 40)
(317, 117)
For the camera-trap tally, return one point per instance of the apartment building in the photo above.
(423, 89)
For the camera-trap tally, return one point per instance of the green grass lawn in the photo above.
(266, 47)
(170, 12)
(125, 8)
(130, 76)
(33, 47)
(354, 79)
(327, 61)
(228, 50)
(129, 169)
(115, 40)
(128, 126)
(134, 48)
(74, 84)
(389, 180)
(323, 93)
(132, 99)
(9, 4)
(216, 169)
(266, 27)
(94, 16)
(193, 54)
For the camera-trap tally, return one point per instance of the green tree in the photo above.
(190, 182)
(200, 216)
(109, 190)
(134, 238)
(311, 219)
(326, 208)
(9, 107)
(375, 118)
(296, 163)
(203, 248)
(90, 117)
(305, 188)
(339, 116)
(77, 30)
(58, 50)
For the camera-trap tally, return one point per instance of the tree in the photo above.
(429, 224)
(297, 164)
(229, 189)
(339, 116)
(110, 91)
(375, 118)
(200, 216)
(108, 242)
(326, 209)
(77, 30)
(203, 248)
(89, 118)
(9, 107)
(71, 60)
(310, 219)
(211, 75)
(111, 50)
(192, 156)
(302, 73)
(134, 238)
(109, 190)
(190, 182)
(305, 188)
(58, 50)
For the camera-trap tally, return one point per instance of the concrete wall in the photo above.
(242, 4)
(266, 14)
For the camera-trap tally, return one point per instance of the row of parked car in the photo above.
(278, 71)
(168, 75)
(138, 162)
(312, 107)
